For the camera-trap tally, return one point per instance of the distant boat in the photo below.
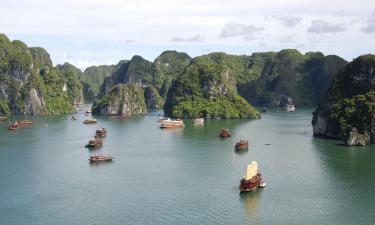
(100, 158)
(88, 111)
(90, 121)
(290, 108)
(169, 123)
(198, 121)
(14, 126)
(2, 118)
(252, 179)
(94, 143)
(73, 118)
(264, 109)
(100, 133)
(25, 122)
(241, 145)
(225, 133)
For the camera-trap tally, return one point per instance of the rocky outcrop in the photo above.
(208, 90)
(123, 100)
(357, 139)
(29, 84)
(347, 111)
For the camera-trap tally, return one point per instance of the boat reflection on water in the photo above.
(250, 201)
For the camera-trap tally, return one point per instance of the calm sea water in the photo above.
(183, 176)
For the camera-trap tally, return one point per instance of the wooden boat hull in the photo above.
(252, 184)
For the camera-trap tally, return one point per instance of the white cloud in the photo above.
(369, 25)
(234, 29)
(322, 26)
(288, 20)
(196, 38)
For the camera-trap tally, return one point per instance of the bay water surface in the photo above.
(182, 176)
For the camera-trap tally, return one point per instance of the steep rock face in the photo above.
(207, 89)
(349, 103)
(94, 76)
(152, 98)
(29, 84)
(122, 100)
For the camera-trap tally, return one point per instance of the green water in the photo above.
(184, 176)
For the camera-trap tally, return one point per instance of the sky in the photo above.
(95, 32)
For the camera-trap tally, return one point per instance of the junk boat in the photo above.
(241, 145)
(2, 118)
(14, 126)
(252, 179)
(25, 122)
(224, 133)
(290, 108)
(198, 120)
(94, 143)
(169, 123)
(100, 133)
(100, 158)
(89, 121)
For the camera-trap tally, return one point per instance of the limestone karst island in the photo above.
(187, 112)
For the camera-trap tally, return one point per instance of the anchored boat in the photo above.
(198, 121)
(2, 118)
(290, 108)
(252, 179)
(169, 123)
(225, 133)
(89, 121)
(14, 126)
(100, 158)
(25, 122)
(101, 133)
(242, 144)
(94, 143)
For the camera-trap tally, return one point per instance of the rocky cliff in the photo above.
(29, 84)
(207, 89)
(123, 100)
(348, 110)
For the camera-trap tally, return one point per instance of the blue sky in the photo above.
(93, 32)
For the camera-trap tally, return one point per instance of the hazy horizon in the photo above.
(95, 32)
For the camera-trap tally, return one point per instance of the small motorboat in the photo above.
(14, 126)
(94, 143)
(101, 133)
(225, 133)
(100, 158)
(90, 121)
(262, 184)
(198, 121)
(241, 145)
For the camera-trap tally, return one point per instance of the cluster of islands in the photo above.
(212, 86)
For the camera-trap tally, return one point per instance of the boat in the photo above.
(225, 133)
(198, 121)
(74, 118)
(14, 126)
(252, 179)
(290, 108)
(2, 118)
(100, 158)
(90, 121)
(100, 133)
(169, 123)
(94, 143)
(264, 109)
(25, 122)
(88, 111)
(242, 144)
